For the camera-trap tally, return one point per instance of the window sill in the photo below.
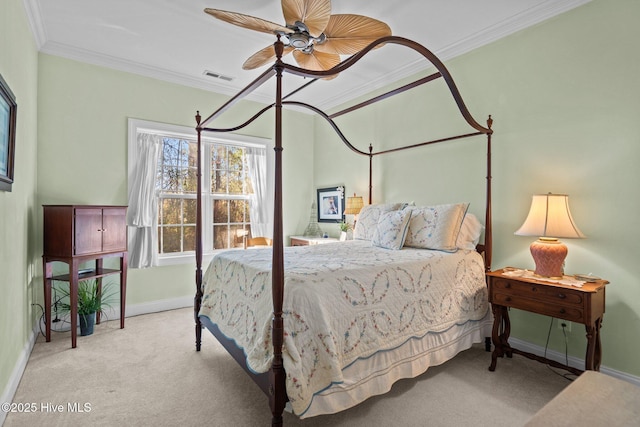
(190, 258)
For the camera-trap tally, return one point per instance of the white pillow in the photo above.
(470, 231)
(392, 229)
(368, 219)
(435, 227)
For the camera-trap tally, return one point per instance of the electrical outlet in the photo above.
(564, 324)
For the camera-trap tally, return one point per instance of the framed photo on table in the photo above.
(8, 108)
(331, 204)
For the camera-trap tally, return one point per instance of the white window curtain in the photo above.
(142, 213)
(260, 202)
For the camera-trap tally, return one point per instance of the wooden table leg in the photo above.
(497, 337)
(591, 347)
(594, 351)
(47, 298)
(98, 267)
(598, 350)
(123, 288)
(73, 300)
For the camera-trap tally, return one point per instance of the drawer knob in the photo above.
(507, 286)
(563, 311)
(508, 299)
(562, 296)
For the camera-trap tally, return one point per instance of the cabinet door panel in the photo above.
(114, 224)
(88, 231)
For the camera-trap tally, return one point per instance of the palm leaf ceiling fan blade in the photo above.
(316, 61)
(316, 38)
(348, 34)
(314, 14)
(263, 56)
(247, 21)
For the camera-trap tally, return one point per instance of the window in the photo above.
(227, 188)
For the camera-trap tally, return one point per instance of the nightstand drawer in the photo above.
(566, 312)
(546, 293)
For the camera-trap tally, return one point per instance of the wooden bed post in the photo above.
(370, 173)
(488, 238)
(277, 390)
(276, 386)
(198, 297)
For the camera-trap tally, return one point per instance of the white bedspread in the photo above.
(342, 302)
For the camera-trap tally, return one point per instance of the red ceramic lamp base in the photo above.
(549, 255)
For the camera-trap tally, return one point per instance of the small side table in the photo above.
(584, 305)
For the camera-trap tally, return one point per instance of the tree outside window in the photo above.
(227, 187)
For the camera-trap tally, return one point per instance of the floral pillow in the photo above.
(435, 227)
(392, 229)
(368, 219)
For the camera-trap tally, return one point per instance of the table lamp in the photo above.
(354, 206)
(549, 218)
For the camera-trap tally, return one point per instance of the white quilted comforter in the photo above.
(342, 301)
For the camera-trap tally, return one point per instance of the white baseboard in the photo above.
(150, 307)
(573, 361)
(114, 313)
(18, 370)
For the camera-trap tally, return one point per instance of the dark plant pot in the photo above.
(86, 323)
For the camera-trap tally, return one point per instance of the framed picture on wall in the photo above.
(331, 204)
(8, 108)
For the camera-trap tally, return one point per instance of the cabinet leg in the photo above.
(73, 301)
(47, 299)
(123, 288)
(98, 267)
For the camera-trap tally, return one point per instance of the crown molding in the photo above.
(532, 16)
(518, 22)
(34, 17)
(108, 61)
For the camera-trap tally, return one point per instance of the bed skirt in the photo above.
(374, 375)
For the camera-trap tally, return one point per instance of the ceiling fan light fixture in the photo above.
(299, 41)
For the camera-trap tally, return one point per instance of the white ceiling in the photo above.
(174, 40)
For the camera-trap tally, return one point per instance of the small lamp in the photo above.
(549, 218)
(354, 206)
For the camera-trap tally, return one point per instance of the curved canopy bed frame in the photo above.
(273, 382)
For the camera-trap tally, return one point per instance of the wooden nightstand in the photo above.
(306, 241)
(581, 305)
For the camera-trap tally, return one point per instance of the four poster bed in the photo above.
(325, 327)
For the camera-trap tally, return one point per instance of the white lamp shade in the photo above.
(550, 216)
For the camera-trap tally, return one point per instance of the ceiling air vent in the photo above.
(217, 75)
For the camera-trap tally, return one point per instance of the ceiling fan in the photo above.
(314, 36)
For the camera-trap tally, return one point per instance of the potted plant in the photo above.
(90, 301)
(345, 227)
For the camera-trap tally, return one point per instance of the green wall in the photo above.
(79, 113)
(82, 156)
(19, 258)
(565, 98)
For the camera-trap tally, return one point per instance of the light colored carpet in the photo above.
(149, 374)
